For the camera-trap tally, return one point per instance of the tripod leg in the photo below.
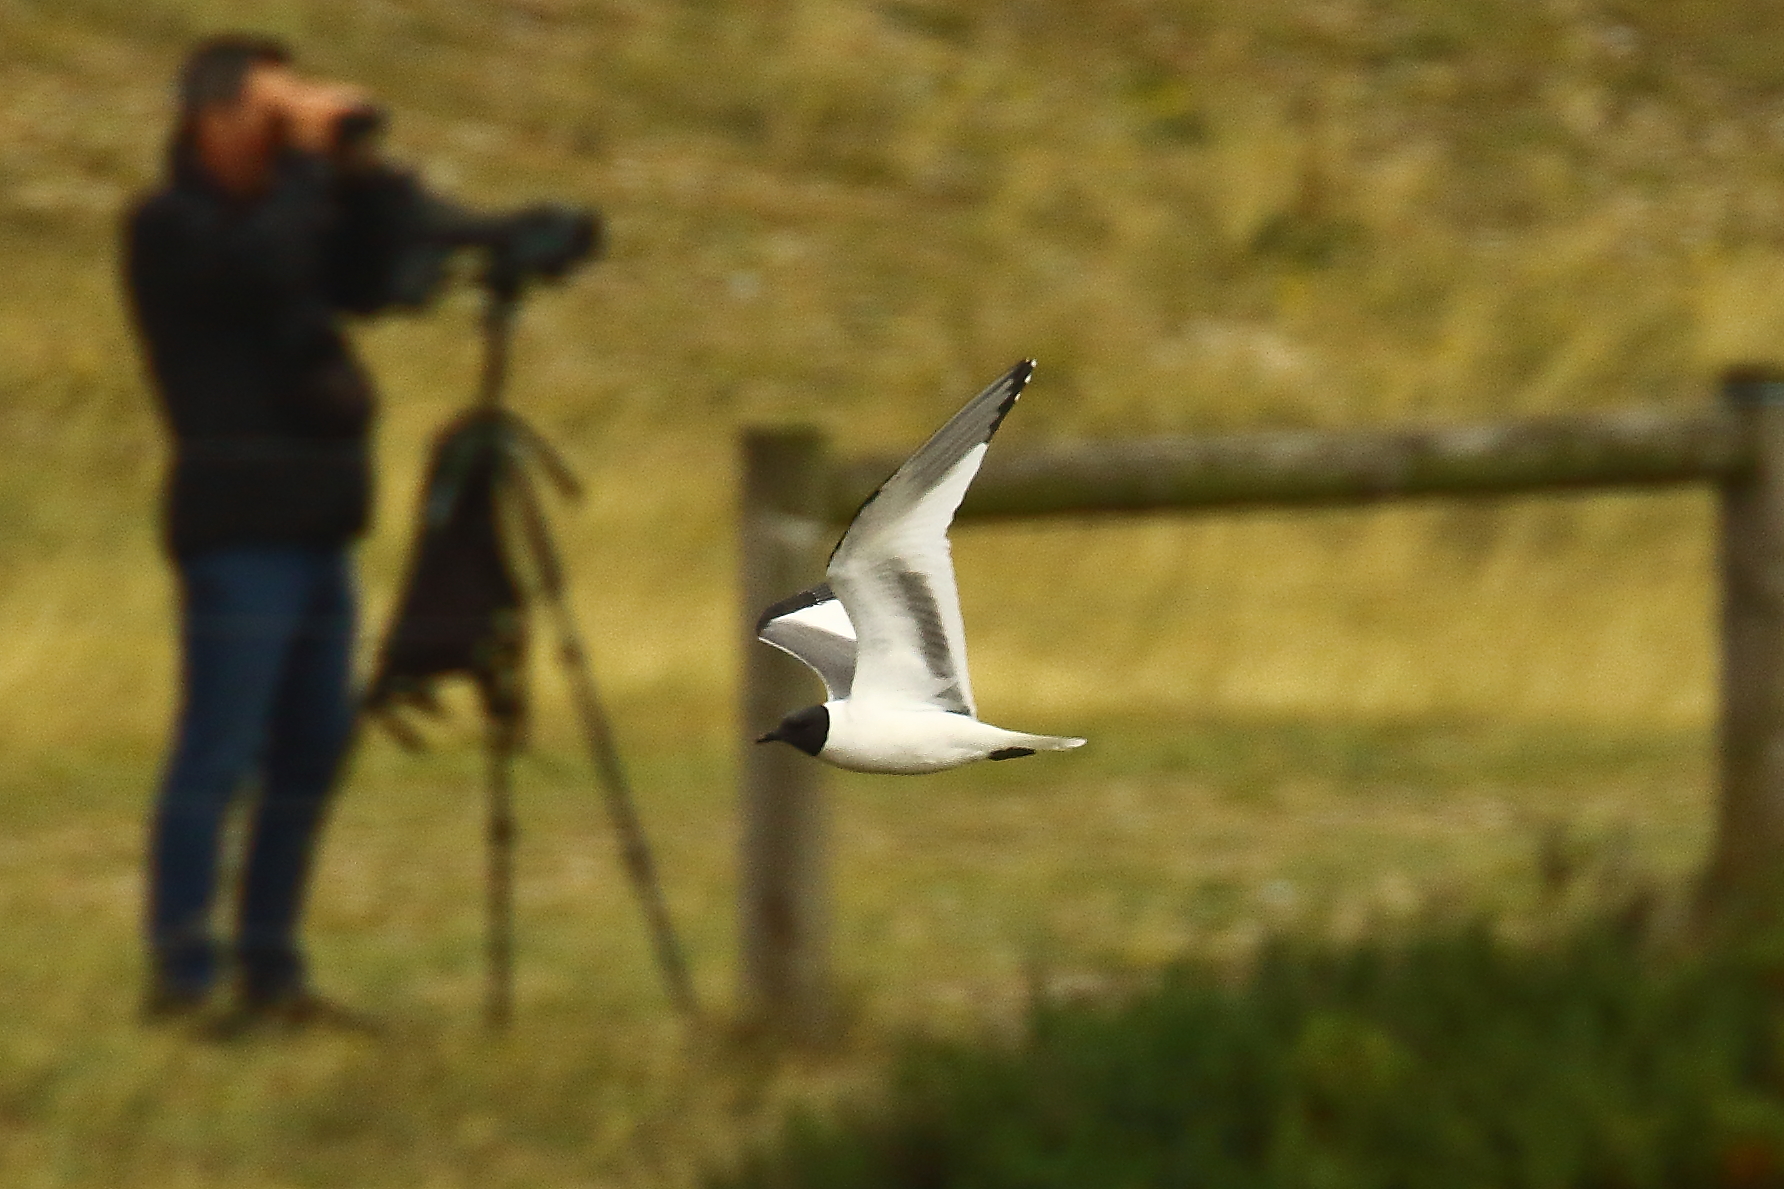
(498, 1006)
(621, 808)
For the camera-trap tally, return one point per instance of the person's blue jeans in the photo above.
(267, 636)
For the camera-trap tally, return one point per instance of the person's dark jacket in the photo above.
(238, 306)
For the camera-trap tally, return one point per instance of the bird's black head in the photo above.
(805, 729)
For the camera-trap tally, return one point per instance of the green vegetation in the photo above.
(1447, 1059)
(1197, 214)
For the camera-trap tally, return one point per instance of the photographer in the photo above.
(275, 220)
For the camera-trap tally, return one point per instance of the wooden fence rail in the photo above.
(794, 497)
(1328, 469)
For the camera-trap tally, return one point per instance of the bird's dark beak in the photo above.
(770, 737)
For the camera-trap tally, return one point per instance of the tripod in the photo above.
(483, 481)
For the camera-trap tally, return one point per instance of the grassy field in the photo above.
(1196, 215)
(956, 900)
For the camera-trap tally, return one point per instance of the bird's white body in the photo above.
(884, 630)
(910, 741)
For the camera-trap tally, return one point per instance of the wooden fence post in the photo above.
(784, 874)
(1745, 875)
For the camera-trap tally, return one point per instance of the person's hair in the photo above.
(213, 73)
(217, 66)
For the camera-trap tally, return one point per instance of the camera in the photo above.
(537, 243)
(542, 242)
(520, 247)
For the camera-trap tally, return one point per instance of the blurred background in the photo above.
(1199, 216)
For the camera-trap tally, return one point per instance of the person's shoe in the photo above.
(301, 1010)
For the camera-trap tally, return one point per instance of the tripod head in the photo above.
(540, 243)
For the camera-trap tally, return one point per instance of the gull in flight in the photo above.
(884, 629)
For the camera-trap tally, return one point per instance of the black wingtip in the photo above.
(1010, 384)
(820, 593)
(1017, 379)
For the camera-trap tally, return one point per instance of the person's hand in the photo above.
(309, 110)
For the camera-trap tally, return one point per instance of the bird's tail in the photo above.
(1045, 742)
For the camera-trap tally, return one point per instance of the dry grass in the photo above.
(853, 213)
(1198, 215)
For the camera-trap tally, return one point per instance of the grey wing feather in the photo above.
(971, 427)
(813, 627)
(894, 571)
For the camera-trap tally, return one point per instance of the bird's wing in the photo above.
(894, 572)
(813, 627)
